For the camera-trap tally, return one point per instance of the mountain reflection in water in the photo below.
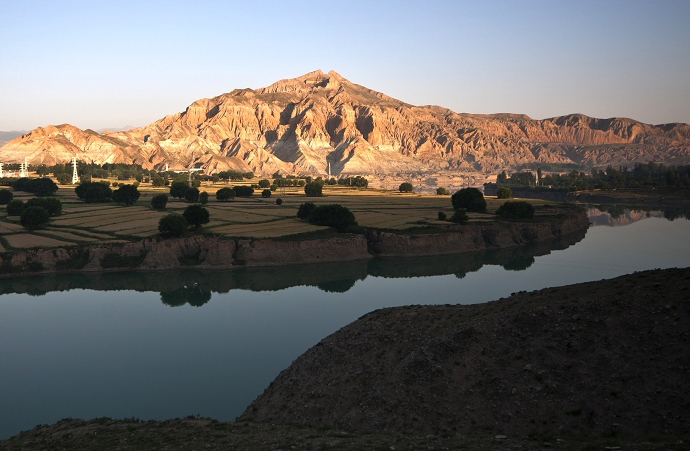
(194, 287)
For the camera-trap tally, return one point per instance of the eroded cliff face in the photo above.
(301, 125)
(222, 253)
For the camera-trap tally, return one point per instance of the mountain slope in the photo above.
(302, 125)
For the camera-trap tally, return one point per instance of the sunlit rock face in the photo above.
(306, 124)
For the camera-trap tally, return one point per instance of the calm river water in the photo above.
(170, 344)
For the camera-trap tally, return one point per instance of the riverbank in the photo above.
(588, 366)
(218, 252)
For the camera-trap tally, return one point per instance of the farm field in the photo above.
(252, 217)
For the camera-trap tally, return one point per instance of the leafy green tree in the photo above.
(94, 192)
(516, 210)
(196, 215)
(178, 189)
(441, 216)
(264, 183)
(460, 216)
(51, 204)
(442, 191)
(304, 210)
(203, 198)
(157, 180)
(172, 225)
(243, 191)
(34, 217)
(333, 215)
(406, 187)
(126, 194)
(63, 179)
(225, 194)
(266, 193)
(6, 196)
(159, 201)
(279, 201)
(504, 193)
(192, 195)
(471, 199)
(14, 208)
(313, 189)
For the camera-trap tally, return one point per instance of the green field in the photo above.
(253, 217)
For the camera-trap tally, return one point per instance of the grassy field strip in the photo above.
(108, 220)
(2, 248)
(153, 222)
(79, 208)
(265, 211)
(26, 240)
(104, 212)
(277, 227)
(74, 220)
(66, 235)
(7, 227)
(103, 236)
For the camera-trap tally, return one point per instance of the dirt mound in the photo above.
(595, 359)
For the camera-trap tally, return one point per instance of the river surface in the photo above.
(171, 344)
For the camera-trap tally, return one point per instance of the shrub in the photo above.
(460, 216)
(196, 183)
(224, 194)
(203, 198)
(279, 201)
(504, 193)
(196, 215)
(406, 187)
(14, 208)
(34, 217)
(159, 201)
(5, 196)
(157, 181)
(471, 199)
(178, 189)
(94, 192)
(442, 191)
(172, 225)
(64, 179)
(332, 216)
(304, 210)
(40, 187)
(243, 191)
(266, 193)
(274, 187)
(192, 195)
(264, 183)
(313, 189)
(441, 216)
(51, 204)
(126, 194)
(516, 210)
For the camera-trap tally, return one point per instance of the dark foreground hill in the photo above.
(594, 366)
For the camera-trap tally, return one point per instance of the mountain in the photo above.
(303, 125)
(6, 136)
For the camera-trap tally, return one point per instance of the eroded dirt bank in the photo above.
(599, 359)
(222, 253)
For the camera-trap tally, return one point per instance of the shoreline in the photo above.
(204, 252)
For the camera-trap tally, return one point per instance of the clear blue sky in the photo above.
(101, 63)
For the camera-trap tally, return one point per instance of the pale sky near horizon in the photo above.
(97, 64)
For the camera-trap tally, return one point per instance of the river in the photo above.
(171, 344)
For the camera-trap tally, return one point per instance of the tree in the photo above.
(442, 191)
(225, 194)
(304, 210)
(157, 180)
(14, 208)
(313, 189)
(126, 194)
(63, 179)
(266, 193)
(243, 191)
(460, 216)
(178, 189)
(196, 215)
(34, 217)
(504, 193)
(203, 198)
(192, 195)
(173, 225)
(406, 187)
(516, 210)
(279, 201)
(159, 201)
(5, 196)
(264, 183)
(94, 192)
(441, 216)
(51, 204)
(471, 199)
(333, 215)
